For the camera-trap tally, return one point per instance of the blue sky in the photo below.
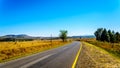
(46, 17)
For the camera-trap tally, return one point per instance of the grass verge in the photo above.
(96, 57)
(113, 49)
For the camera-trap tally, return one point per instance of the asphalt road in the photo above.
(62, 57)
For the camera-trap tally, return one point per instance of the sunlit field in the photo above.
(12, 50)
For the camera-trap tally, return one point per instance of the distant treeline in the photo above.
(107, 35)
(14, 39)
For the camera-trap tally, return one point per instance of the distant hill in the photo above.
(31, 37)
(20, 37)
(17, 36)
(24, 37)
(86, 36)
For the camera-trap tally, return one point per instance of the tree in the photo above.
(105, 36)
(108, 36)
(111, 34)
(112, 37)
(98, 33)
(63, 35)
(117, 36)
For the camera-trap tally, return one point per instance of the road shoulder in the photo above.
(94, 57)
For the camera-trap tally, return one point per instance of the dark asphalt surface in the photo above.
(62, 57)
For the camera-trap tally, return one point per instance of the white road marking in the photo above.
(33, 62)
(65, 48)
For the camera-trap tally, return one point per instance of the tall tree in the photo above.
(98, 33)
(117, 36)
(112, 38)
(63, 35)
(105, 36)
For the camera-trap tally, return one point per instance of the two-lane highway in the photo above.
(62, 57)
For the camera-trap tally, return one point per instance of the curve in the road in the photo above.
(62, 57)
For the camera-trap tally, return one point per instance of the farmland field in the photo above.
(13, 50)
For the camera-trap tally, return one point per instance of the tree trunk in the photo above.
(112, 45)
(63, 40)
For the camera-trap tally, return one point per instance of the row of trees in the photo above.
(107, 35)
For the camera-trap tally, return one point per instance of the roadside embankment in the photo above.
(95, 57)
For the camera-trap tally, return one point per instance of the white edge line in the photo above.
(31, 63)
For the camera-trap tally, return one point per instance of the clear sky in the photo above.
(46, 17)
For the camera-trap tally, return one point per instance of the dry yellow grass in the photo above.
(10, 50)
(13, 45)
(95, 57)
(112, 48)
